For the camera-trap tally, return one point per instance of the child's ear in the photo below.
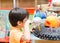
(18, 23)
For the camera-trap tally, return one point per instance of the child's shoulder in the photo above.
(14, 30)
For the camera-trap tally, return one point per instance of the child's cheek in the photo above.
(22, 25)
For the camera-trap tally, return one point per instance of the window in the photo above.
(21, 3)
(30, 3)
(6, 3)
(42, 1)
(26, 3)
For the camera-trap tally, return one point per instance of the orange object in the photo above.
(59, 19)
(51, 21)
(29, 9)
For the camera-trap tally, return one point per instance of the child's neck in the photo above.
(17, 28)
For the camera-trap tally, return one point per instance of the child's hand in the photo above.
(26, 30)
(27, 22)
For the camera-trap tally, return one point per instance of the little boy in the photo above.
(18, 18)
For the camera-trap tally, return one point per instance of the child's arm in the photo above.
(17, 36)
(26, 30)
(22, 40)
(26, 37)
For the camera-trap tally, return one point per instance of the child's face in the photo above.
(24, 21)
(21, 24)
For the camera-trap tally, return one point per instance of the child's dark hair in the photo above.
(17, 14)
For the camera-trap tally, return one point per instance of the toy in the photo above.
(52, 21)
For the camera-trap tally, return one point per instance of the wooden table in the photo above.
(47, 41)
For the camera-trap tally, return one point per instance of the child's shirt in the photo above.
(15, 36)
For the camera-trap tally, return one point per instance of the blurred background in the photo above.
(7, 5)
